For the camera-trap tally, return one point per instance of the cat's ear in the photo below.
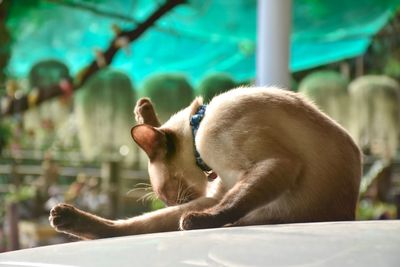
(145, 113)
(196, 103)
(150, 139)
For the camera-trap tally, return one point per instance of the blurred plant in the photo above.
(103, 58)
(328, 89)
(15, 195)
(19, 194)
(374, 210)
(156, 204)
(383, 55)
(5, 39)
(47, 73)
(5, 135)
(169, 93)
(43, 121)
(392, 68)
(294, 85)
(215, 84)
(375, 114)
(103, 111)
(12, 13)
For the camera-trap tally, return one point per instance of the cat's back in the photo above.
(286, 117)
(272, 108)
(243, 96)
(264, 101)
(248, 125)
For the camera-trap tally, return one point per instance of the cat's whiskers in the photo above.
(149, 196)
(146, 197)
(187, 197)
(186, 194)
(140, 187)
(179, 192)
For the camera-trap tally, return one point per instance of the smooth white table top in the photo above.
(371, 243)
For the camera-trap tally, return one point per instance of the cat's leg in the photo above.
(273, 213)
(261, 184)
(68, 219)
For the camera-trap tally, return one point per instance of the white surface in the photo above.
(274, 18)
(316, 244)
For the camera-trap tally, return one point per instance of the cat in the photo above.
(275, 158)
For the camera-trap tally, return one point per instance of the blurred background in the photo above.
(71, 71)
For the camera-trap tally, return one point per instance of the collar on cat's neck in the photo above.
(195, 124)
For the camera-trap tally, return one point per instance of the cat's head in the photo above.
(174, 175)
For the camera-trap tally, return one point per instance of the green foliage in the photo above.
(20, 194)
(328, 89)
(156, 204)
(19, 10)
(215, 84)
(294, 85)
(5, 135)
(15, 195)
(318, 83)
(373, 210)
(5, 40)
(104, 109)
(52, 114)
(48, 72)
(169, 93)
(376, 114)
(392, 68)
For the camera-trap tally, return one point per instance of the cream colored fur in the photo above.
(278, 158)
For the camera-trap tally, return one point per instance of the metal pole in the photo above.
(274, 19)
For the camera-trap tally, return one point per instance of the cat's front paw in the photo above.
(63, 217)
(198, 220)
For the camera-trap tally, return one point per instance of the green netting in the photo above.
(197, 39)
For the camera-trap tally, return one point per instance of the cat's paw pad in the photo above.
(197, 220)
(63, 217)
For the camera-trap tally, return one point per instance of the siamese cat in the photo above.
(271, 156)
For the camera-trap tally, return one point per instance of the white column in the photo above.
(274, 18)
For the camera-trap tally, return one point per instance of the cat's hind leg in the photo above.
(261, 184)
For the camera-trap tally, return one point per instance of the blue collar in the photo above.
(195, 124)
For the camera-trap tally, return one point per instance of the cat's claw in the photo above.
(62, 217)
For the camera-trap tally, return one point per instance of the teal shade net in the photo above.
(196, 39)
(329, 31)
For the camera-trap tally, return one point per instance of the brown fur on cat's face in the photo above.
(174, 176)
